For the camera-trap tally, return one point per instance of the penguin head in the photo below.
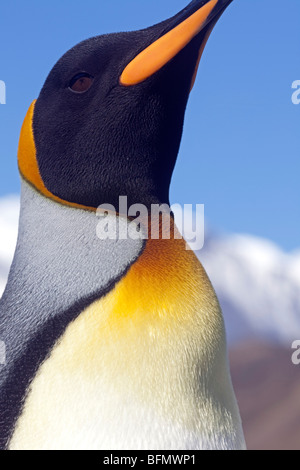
(108, 121)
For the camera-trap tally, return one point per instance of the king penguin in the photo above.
(119, 343)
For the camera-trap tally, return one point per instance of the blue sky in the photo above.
(241, 146)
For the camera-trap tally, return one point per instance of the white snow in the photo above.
(258, 285)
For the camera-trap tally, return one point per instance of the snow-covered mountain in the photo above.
(258, 285)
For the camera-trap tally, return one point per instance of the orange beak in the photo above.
(197, 17)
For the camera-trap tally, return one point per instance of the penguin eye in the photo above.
(81, 83)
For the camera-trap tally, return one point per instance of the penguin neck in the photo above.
(58, 248)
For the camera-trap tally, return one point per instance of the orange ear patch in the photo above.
(28, 164)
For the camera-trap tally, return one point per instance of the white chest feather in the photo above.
(121, 383)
